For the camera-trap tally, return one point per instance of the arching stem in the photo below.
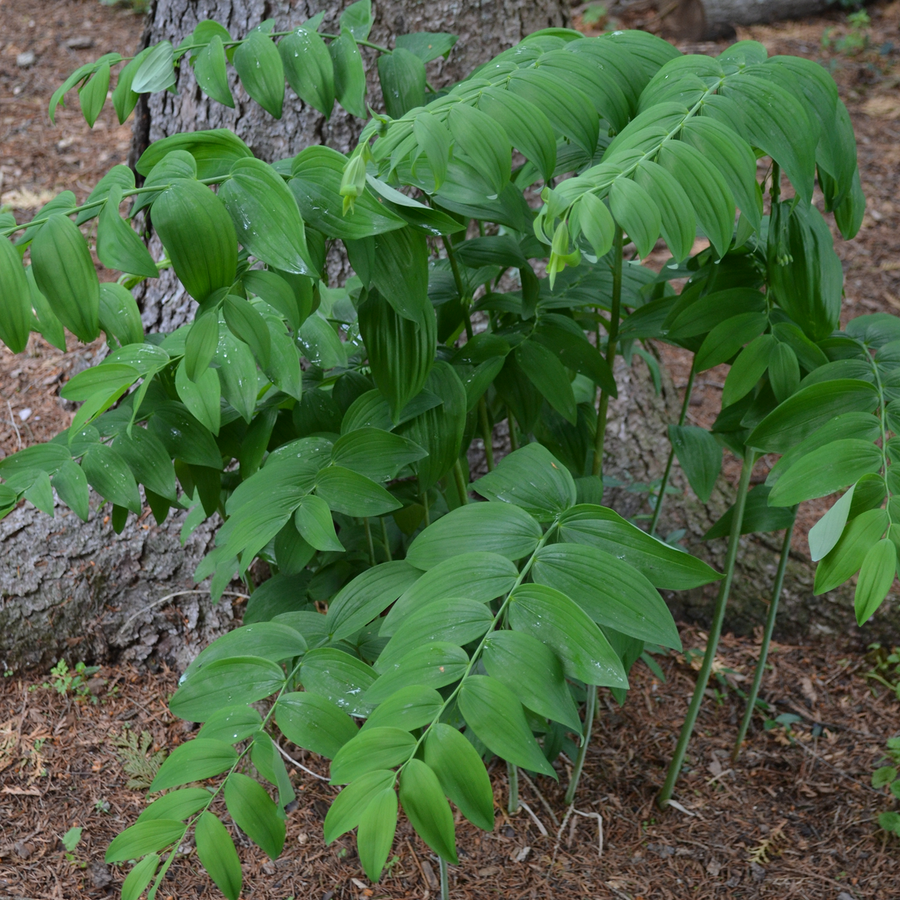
(767, 637)
(590, 710)
(445, 879)
(512, 775)
(715, 632)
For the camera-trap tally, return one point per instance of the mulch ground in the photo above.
(794, 818)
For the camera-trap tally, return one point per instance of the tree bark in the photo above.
(76, 589)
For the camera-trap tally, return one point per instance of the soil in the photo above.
(793, 818)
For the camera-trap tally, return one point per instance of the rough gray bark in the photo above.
(80, 590)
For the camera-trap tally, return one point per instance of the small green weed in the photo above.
(885, 667)
(138, 760)
(889, 777)
(70, 840)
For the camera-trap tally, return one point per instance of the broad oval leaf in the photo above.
(194, 761)
(259, 66)
(346, 812)
(144, 837)
(255, 813)
(875, 579)
(372, 748)
(434, 665)
(424, 804)
(216, 851)
(314, 723)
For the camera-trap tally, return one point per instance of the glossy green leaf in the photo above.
(700, 456)
(194, 761)
(15, 311)
(146, 837)
(636, 211)
(224, 682)
(758, 516)
(727, 338)
(827, 531)
(492, 527)
(747, 369)
(375, 836)
(266, 217)
(216, 852)
(184, 437)
(64, 273)
(148, 460)
(71, 485)
(202, 397)
(93, 94)
(177, 805)
(533, 672)
(875, 579)
(373, 748)
(211, 73)
(426, 808)
(609, 590)
(308, 68)
(549, 376)
(109, 475)
(200, 344)
(339, 677)
(270, 640)
(215, 151)
(496, 716)
(314, 723)
(314, 522)
(259, 66)
(246, 323)
(231, 724)
(140, 877)
(349, 74)
(402, 77)
(119, 314)
(347, 810)
(377, 454)
(483, 142)
(433, 665)
(845, 559)
(198, 235)
(427, 45)
(252, 809)
(353, 494)
(118, 245)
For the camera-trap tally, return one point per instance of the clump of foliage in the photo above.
(328, 424)
(139, 760)
(889, 777)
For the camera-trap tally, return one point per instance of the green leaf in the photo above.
(216, 852)
(259, 66)
(401, 350)
(610, 591)
(148, 461)
(809, 409)
(118, 246)
(482, 142)
(313, 521)
(434, 140)
(496, 716)
(348, 807)
(246, 323)
(374, 748)
(140, 877)
(758, 516)
(402, 77)
(109, 475)
(367, 596)
(252, 809)
(700, 455)
(825, 471)
(200, 344)
(433, 665)
(727, 338)
(747, 369)
(827, 531)
(353, 494)
(400, 271)
(266, 217)
(349, 74)
(527, 128)
(423, 801)
(556, 620)
(180, 805)
(339, 677)
(119, 314)
(184, 437)
(93, 94)
(71, 485)
(377, 454)
(591, 218)
(533, 672)
(308, 68)
(453, 619)
(211, 73)
(636, 211)
(845, 559)
(15, 311)
(662, 565)
(202, 398)
(293, 305)
(427, 45)
(357, 18)
(875, 579)
(157, 70)
(549, 376)
(314, 723)
(224, 682)
(491, 527)
(146, 837)
(49, 326)
(64, 273)
(461, 774)
(231, 724)
(530, 478)
(377, 825)
(321, 344)
(409, 708)
(215, 151)
(124, 98)
(198, 235)
(194, 761)
(59, 94)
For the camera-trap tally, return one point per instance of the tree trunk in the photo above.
(76, 589)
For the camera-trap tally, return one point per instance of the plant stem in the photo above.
(662, 801)
(613, 334)
(445, 880)
(369, 541)
(487, 433)
(384, 538)
(460, 482)
(767, 637)
(425, 504)
(513, 440)
(590, 709)
(665, 479)
(512, 774)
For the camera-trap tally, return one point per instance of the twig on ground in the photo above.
(299, 765)
(534, 818)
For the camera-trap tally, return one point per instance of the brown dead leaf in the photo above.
(882, 107)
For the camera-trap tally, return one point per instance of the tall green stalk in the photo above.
(660, 499)
(715, 632)
(445, 879)
(767, 637)
(590, 710)
(612, 340)
(512, 777)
